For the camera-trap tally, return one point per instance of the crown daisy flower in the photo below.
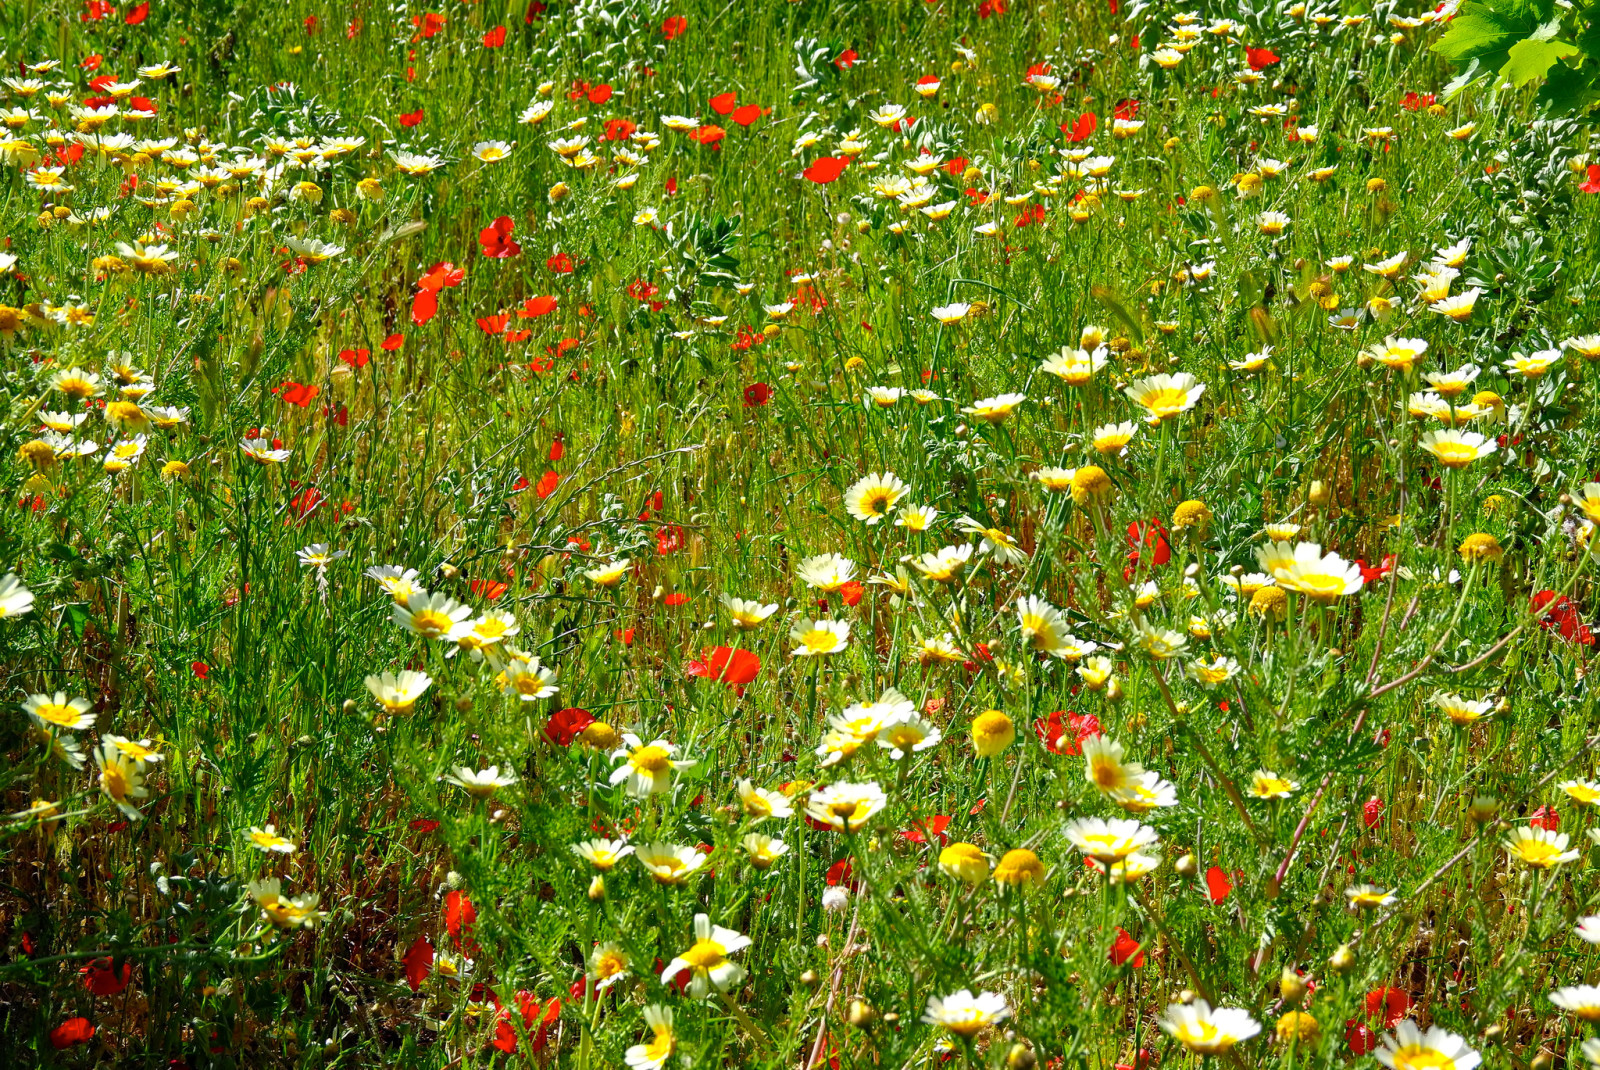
(603, 854)
(762, 851)
(908, 735)
(1205, 1031)
(846, 807)
(1462, 711)
(398, 692)
(1165, 396)
(1104, 766)
(432, 616)
(1538, 848)
(480, 784)
(996, 409)
(1409, 1048)
(1075, 367)
(609, 574)
(58, 711)
(746, 614)
(1265, 784)
(653, 1055)
(874, 496)
(1321, 577)
(819, 638)
(964, 1014)
(1146, 792)
(121, 777)
(268, 841)
(670, 863)
(1582, 792)
(1111, 440)
(1457, 449)
(1369, 897)
(646, 768)
(1109, 841)
(826, 572)
(943, 565)
(1212, 674)
(1582, 1000)
(760, 804)
(994, 542)
(1399, 354)
(525, 678)
(708, 960)
(916, 518)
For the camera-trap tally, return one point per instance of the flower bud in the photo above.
(1020, 1057)
(1292, 987)
(1186, 866)
(861, 1014)
(597, 888)
(1342, 960)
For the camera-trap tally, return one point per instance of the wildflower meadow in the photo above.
(656, 534)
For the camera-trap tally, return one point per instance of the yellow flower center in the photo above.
(650, 759)
(1420, 1058)
(431, 623)
(705, 954)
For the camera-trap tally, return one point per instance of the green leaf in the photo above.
(1569, 90)
(1486, 30)
(1529, 61)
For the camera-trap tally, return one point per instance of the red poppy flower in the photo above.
(70, 1032)
(1063, 732)
(297, 394)
(748, 114)
(495, 239)
(489, 590)
(137, 15)
(1126, 109)
(493, 324)
(723, 103)
(1360, 1039)
(757, 395)
(423, 824)
(927, 830)
(826, 169)
(564, 726)
(356, 358)
(619, 129)
(1372, 812)
(411, 118)
(1124, 948)
(441, 276)
(459, 915)
(1416, 101)
(847, 59)
(1592, 174)
(674, 27)
(200, 669)
(418, 962)
(495, 37)
(560, 264)
(547, 484)
(1082, 129)
(1369, 573)
(1563, 617)
(1218, 886)
(599, 94)
(1391, 1001)
(536, 306)
(735, 668)
(102, 978)
(305, 503)
(1260, 58)
(1545, 818)
(537, 1018)
(669, 539)
(393, 342)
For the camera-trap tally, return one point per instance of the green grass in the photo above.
(636, 391)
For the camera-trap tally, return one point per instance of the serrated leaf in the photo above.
(1531, 60)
